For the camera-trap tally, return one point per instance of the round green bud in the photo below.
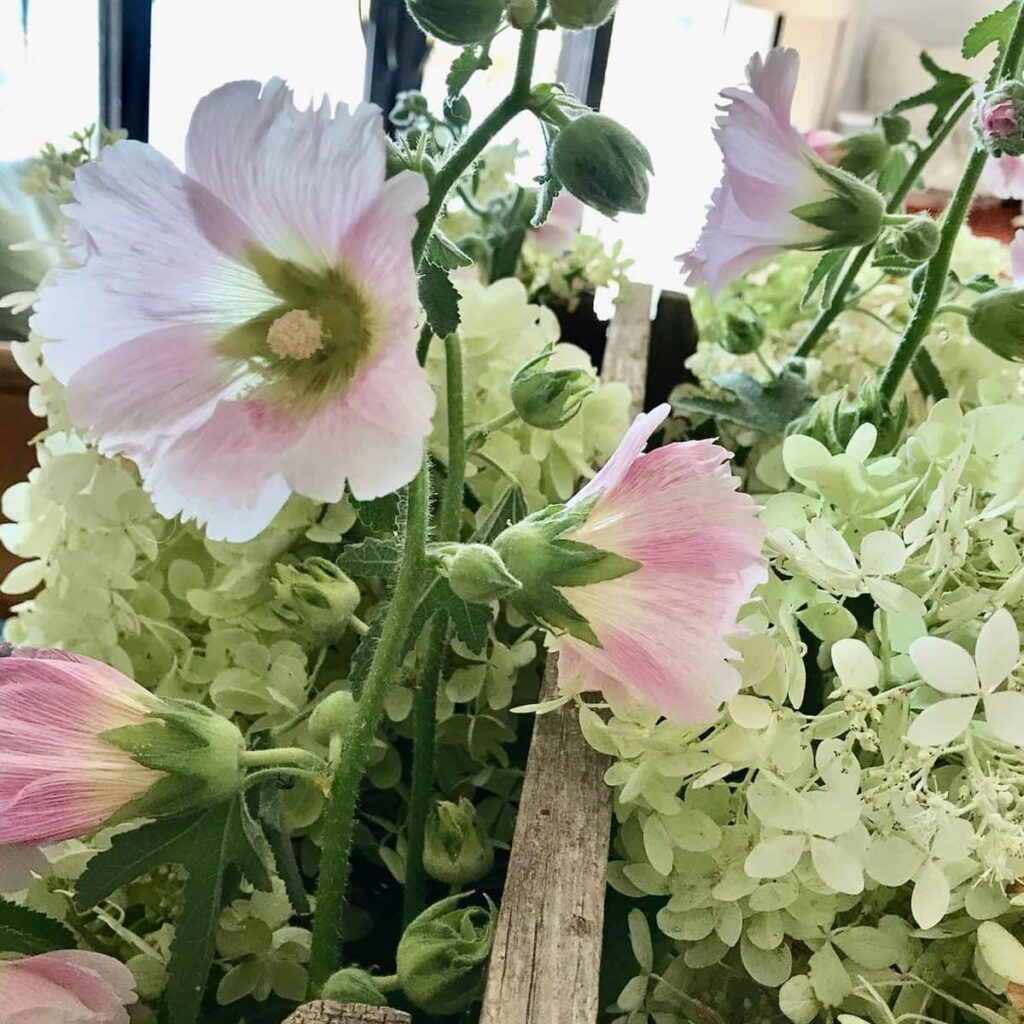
(997, 321)
(477, 574)
(442, 956)
(331, 717)
(459, 22)
(999, 119)
(522, 12)
(549, 399)
(918, 241)
(740, 328)
(580, 14)
(456, 848)
(603, 165)
(853, 215)
(861, 154)
(353, 985)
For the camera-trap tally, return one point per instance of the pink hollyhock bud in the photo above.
(81, 744)
(999, 119)
(643, 574)
(70, 987)
(776, 193)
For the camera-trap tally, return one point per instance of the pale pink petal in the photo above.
(167, 253)
(1004, 177)
(562, 227)
(663, 628)
(774, 80)
(299, 179)
(1017, 255)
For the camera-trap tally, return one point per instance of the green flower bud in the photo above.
(581, 14)
(852, 215)
(999, 119)
(739, 328)
(918, 241)
(603, 165)
(331, 717)
(997, 321)
(476, 572)
(456, 848)
(861, 154)
(316, 598)
(538, 551)
(442, 956)
(549, 399)
(353, 985)
(199, 750)
(459, 22)
(868, 408)
(522, 12)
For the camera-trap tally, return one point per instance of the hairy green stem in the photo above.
(282, 757)
(481, 433)
(830, 313)
(424, 755)
(930, 300)
(339, 813)
(476, 142)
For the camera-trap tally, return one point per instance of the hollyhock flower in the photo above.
(644, 572)
(77, 748)
(776, 193)
(1004, 177)
(824, 143)
(69, 987)
(999, 119)
(247, 329)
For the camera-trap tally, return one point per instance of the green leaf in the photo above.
(207, 844)
(31, 933)
(444, 253)
(825, 276)
(440, 300)
(379, 514)
(468, 63)
(470, 622)
(371, 557)
(996, 27)
(769, 407)
(509, 509)
(948, 90)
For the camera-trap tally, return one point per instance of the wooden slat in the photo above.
(546, 963)
(326, 1012)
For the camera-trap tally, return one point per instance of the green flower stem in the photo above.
(424, 756)
(339, 813)
(930, 299)
(479, 434)
(963, 311)
(476, 142)
(282, 757)
(831, 312)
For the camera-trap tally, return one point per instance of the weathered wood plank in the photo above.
(546, 962)
(326, 1012)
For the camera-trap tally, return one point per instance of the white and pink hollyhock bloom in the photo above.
(1004, 177)
(776, 192)
(246, 329)
(76, 749)
(644, 573)
(69, 987)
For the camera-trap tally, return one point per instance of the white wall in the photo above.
(931, 22)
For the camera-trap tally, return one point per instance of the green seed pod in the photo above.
(353, 985)
(603, 165)
(331, 716)
(477, 574)
(442, 956)
(456, 849)
(459, 22)
(580, 14)
(316, 598)
(997, 321)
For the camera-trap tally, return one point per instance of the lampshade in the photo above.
(828, 10)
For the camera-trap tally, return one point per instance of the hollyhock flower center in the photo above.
(296, 335)
(305, 351)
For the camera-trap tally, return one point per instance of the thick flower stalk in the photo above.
(776, 192)
(644, 573)
(81, 745)
(240, 331)
(69, 987)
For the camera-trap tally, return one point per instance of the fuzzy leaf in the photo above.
(470, 622)
(379, 514)
(944, 95)
(825, 277)
(30, 933)
(209, 844)
(440, 300)
(471, 60)
(769, 407)
(371, 557)
(444, 253)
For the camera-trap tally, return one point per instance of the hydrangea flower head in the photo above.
(776, 192)
(246, 330)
